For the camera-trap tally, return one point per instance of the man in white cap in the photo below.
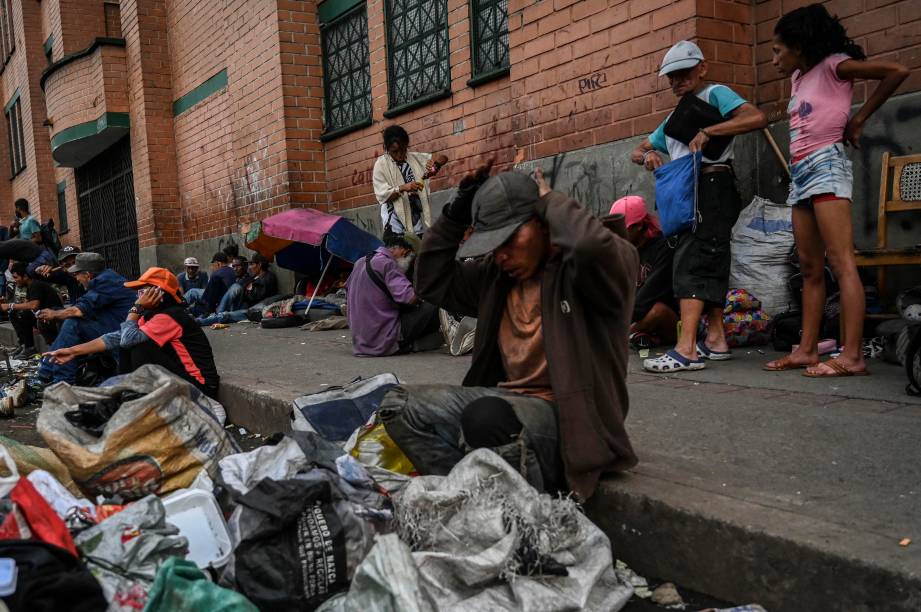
(193, 277)
(701, 262)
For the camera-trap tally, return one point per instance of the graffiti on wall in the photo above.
(593, 82)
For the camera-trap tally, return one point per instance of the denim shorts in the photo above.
(827, 170)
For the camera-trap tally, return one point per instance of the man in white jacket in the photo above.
(399, 184)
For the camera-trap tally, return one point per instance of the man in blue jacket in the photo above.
(99, 311)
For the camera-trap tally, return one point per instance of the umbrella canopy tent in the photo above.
(308, 241)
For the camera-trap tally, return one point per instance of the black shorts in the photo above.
(702, 257)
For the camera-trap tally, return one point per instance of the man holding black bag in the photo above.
(705, 121)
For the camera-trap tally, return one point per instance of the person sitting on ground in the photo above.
(240, 267)
(222, 278)
(399, 184)
(385, 315)
(655, 317)
(99, 311)
(552, 290)
(58, 275)
(260, 284)
(38, 295)
(702, 257)
(192, 277)
(26, 223)
(157, 330)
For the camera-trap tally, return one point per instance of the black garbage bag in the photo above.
(92, 417)
(50, 579)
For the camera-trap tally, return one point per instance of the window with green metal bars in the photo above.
(488, 40)
(346, 72)
(417, 61)
(63, 226)
(16, 137)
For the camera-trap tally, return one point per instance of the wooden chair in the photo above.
(901, 177)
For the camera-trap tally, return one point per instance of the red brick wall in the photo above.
(153, 151)
(886, 29)
(471, 123)
(252, 148)
(85, 89)
(36, 182)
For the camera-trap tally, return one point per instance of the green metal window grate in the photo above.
(346, 72)
(417, 42)
(16, 137)
(489, 38)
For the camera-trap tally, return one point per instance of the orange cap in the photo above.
(158, 277)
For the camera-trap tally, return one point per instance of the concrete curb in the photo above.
(746, 552)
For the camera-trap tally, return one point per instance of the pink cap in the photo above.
(633, 208)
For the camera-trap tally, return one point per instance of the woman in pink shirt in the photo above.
(813, 48)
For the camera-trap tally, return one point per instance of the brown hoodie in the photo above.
(587, 295)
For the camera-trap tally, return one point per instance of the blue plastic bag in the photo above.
(676, 194)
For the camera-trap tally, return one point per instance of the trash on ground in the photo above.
(13, 397)
(180, 586)
(667, 595)
(125, 551)
(905, 542)
(200, 521)
(337, 412)
(481, 538)
(156, 443)
(31, 458)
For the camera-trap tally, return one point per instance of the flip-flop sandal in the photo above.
(707, 353)
(673, 361)
(786, 363)
(838, 371)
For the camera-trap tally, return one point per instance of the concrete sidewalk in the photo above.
(752, 486)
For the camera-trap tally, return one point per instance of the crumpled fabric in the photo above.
(481, 538)
(181, 586)
(125, 551)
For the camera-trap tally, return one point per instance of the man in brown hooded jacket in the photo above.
(553, 293)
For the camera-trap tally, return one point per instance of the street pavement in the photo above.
(770, 487)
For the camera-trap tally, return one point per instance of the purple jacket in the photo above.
(373, 317)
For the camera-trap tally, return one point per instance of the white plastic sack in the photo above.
(467, 532)
(762, 241)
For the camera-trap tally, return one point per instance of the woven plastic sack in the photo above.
(482, 538)
(762, 241)
(154, 444)
(31, 458)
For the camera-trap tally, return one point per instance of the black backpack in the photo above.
(50, 237)
(786, 329)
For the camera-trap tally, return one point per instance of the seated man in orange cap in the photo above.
(655, 317)
(158, 330)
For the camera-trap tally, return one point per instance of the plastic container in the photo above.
(199, 520)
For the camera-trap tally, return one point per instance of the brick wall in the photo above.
(252, 148)
(36, 182)
(85, 89)
(886, 29)
(471, 123)
(153, 150)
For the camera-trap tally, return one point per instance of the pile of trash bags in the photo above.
(152, 507)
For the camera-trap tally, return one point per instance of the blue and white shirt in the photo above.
(719, 96)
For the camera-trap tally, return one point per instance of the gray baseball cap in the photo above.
(94, 263)
(500, 207)
(684, 54)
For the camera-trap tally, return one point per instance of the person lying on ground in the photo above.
(385, 315)
(38, 295)
(157, 330)
(222, 278)
(399, 184)
(552, 290)
(813, 48)
(58, 275)
(192, 277)
(701, 259)
(99, 311)
(655, 309)
(260, 284)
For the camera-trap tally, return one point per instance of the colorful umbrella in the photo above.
(308, 241)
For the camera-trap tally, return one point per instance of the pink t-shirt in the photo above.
(819, 107)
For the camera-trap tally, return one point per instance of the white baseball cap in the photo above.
(191, 261)
(684, 54)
